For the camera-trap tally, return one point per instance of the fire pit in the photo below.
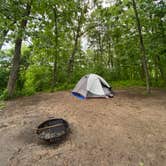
(53, 130)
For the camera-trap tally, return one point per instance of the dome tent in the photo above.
(92, 85)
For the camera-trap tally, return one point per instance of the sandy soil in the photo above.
(127, 130)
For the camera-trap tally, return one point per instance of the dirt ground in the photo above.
(127, 130)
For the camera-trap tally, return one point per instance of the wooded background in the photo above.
(55, 42)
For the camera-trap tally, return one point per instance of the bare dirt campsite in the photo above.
(127, 130)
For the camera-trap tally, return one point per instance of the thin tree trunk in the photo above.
(100, 47)
(160, 67)
(56, 48)
(110, 55)
(142, 47)
(54, 72)
(17, 54)
(155, 70)
(72, 57)
(157, 61)
(76, 41)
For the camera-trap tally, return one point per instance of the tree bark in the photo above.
(142, 47)
(17, 54)
(76, 40)
(56, 48)
(72, 57)
(160, 68)
(110, 54)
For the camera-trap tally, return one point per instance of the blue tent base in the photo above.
(79, 96)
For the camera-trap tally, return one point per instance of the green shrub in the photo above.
(4, 95)
(38, 78)
(3, 79)
(2, 105)
(127, 83)
(158, 83)
(64, 86)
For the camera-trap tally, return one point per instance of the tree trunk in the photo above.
(157, 61)
(72, 57)
(110, 55)
(56, 48)
(155, 70)
(17, 54)
(160, 68)
(100, 47)
(142, 47)
(76, 40)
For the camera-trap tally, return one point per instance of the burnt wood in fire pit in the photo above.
(53, 130)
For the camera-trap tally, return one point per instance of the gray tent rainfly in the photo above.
(92, 85)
